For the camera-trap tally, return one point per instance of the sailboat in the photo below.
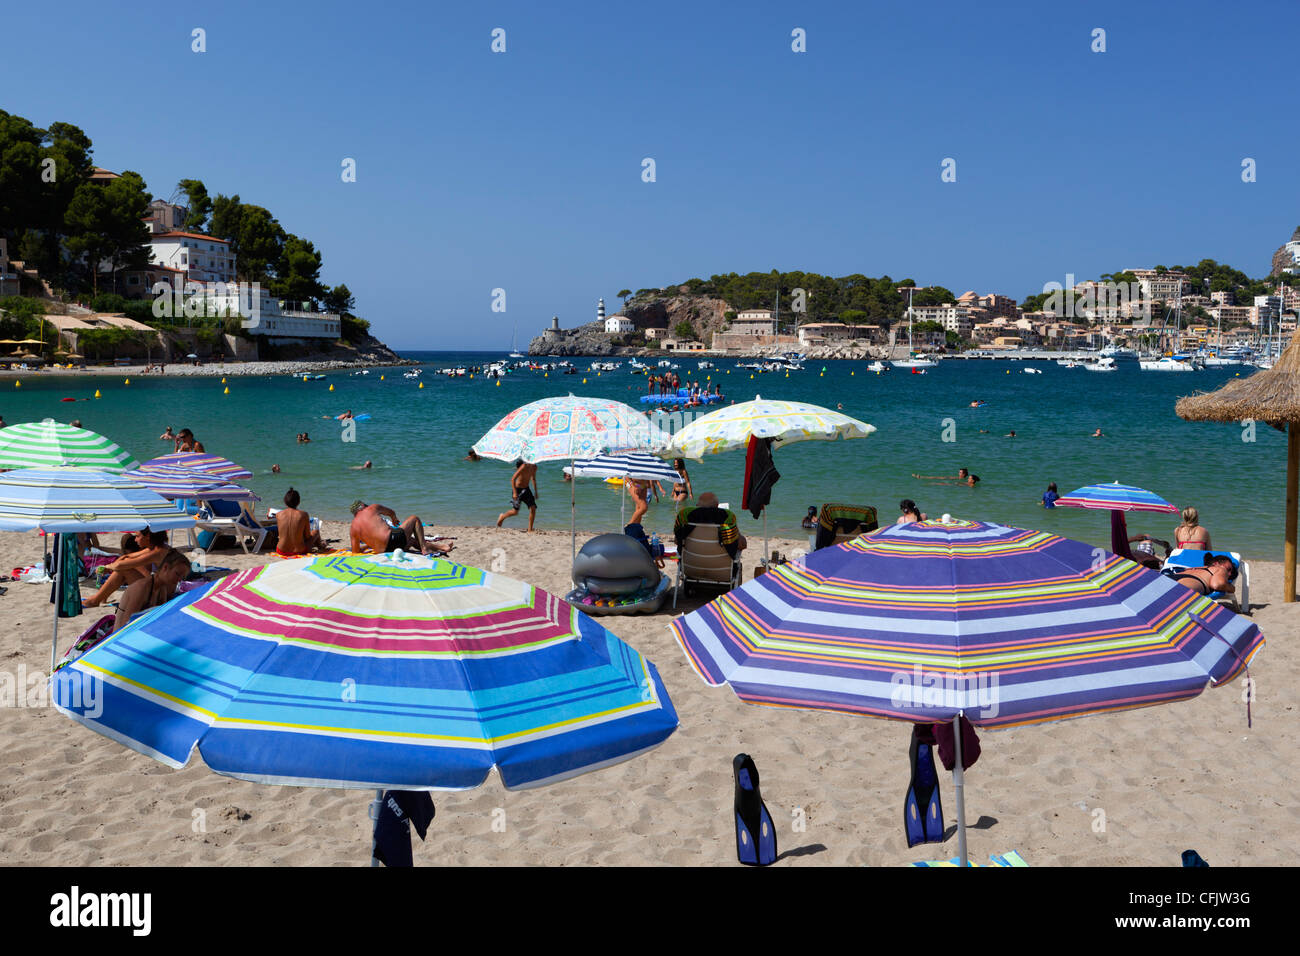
(913, 361)
(1175, 362)
(514, 349)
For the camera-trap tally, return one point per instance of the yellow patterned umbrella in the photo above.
(784, 422)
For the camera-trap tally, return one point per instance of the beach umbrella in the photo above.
(1271, 396)
(372, 672)
(637, 466)
(1116, 499)
(783, 422)
(80, 500)
(175, 483)
(51, 444)
(566, 428)
(200, 461)
(930, 621)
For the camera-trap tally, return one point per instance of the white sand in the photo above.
(1134, 788)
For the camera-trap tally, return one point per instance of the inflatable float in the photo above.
(614, 574)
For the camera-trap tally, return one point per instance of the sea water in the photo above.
(417, 437)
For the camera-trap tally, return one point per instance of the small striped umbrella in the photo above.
(372, 671)
(199, 461)
(80, 500)
(639, 467)
(928, 621)
(1116, 499)
(51, 444)
(175, 483)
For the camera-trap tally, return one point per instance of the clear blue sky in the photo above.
(522, 170)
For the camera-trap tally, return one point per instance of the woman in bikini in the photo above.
(910, 512)
(1190, 534)
(153, 589)
(682, 489)
(1215, 576)
(132, 567)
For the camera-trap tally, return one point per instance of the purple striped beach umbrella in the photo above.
(200, 461)
(931, 621)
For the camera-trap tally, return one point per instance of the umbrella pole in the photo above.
(765, 551)
(376, 806)
(573, 511)
(622, 505)
(1292, 475)
(959, 783)
(58, 598)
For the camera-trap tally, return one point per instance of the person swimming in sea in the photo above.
(960, 477)
(362, 466)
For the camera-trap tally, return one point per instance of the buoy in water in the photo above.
(421, 385)
(331, 388)
(128, 381)
(381, 378)
(67, 399)
(584, 381)
(17, 384)
(226, 390)
(223, 380)
(498, 383)
(97, 393)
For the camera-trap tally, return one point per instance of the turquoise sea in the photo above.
(418, 436)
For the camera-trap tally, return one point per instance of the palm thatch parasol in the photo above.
(1271, 396)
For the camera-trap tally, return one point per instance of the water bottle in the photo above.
(656, 549)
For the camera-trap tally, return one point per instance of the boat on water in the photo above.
(1031, 371)
(914, 360)
(1117, 352)
(1068, 363)
(704, 363)
(1104, 364)
(1167, 363)
(877, 366)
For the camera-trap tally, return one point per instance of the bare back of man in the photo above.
(377, 528)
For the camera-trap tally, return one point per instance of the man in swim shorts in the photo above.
(521, 496)
(376, 527)
(295, 531)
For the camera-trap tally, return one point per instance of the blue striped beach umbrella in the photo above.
(81, 500)
(1115, 497)
(372, 671)
(931, 621)
(185, 483)
(637, 466)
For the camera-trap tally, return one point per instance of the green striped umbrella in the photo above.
(51, 444)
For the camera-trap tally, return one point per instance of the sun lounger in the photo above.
(703, 560)
(1184, 558)
(227, 517)
(839, 523)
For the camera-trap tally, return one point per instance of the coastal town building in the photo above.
(165, 216)
(266, 316)
(9, 284)
(619, 325)
(1234, 314)
(1160, 285)
(202, 258)
(670, 344)
(831, 333)
(753, 322)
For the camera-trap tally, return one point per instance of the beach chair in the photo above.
(1184, 558)
(839, 523)
(702, 559)
(227, 517)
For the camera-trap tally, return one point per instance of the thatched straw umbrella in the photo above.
(1271, 396)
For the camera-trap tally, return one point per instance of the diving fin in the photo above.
(755, 834)
(922, 810)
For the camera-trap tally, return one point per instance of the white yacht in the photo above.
(1104, 364)
(877, 366)
(1166, 363)
(913, 360)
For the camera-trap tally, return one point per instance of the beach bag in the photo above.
(89, 638)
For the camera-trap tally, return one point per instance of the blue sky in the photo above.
(522, 170)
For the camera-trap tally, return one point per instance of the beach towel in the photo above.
(397, 811)
(88, 639)
(760, 475)
(65, 592)
(970, 744)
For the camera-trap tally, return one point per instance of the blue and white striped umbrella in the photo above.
(372, 671)
(186, 483)
(75, 500)
(1115, 497)
(638, 466)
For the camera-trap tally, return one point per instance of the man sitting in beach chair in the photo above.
(840, 523)
(709, 544)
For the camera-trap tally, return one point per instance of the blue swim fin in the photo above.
(755, 834)
(922, 810)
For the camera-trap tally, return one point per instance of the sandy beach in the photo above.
(1129, 789)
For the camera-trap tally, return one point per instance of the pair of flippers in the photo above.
(922, 809)
(755, 833)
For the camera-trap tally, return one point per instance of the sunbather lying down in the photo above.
(376, 527)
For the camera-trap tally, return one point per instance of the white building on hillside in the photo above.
(264, 316)
(202, 258)
(619, 325)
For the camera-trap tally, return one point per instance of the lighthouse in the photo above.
(600, 312)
